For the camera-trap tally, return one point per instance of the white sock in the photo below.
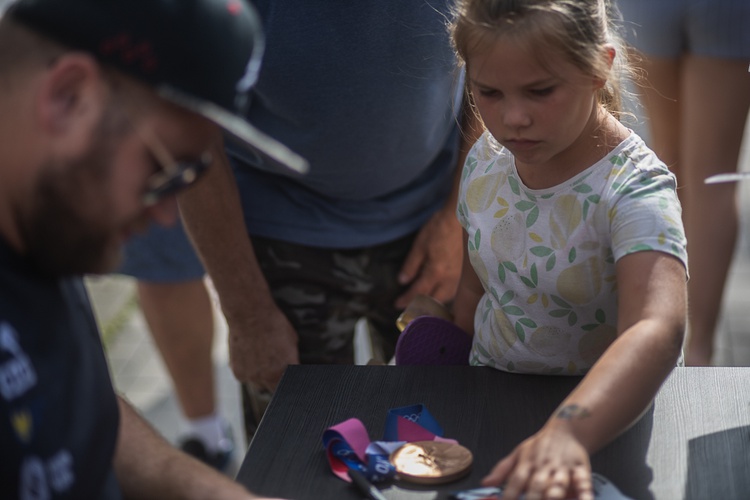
(212, 431)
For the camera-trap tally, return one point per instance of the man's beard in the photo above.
(71, 229)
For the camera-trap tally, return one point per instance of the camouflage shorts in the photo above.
(324, 292)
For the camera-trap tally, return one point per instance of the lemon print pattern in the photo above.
(546, 258)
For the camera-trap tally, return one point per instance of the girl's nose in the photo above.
(515, 116)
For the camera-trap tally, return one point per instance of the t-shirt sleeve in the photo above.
(645, 213)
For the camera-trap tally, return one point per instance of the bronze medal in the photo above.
(431, 462)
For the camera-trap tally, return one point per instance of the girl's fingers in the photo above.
(559, 484)
(500, 471)
(538, 484)
(582, 483)
(517, 483)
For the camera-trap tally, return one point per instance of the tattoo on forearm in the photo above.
(572, 411)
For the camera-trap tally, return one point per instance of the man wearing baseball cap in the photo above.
(107, 110)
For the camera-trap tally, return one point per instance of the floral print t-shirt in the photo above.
(546, 258)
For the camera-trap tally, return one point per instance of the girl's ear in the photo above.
(71, 100)
(608, 54)
(611, 52)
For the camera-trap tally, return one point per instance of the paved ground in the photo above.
(139, 373)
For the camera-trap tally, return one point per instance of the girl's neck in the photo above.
(602, 134)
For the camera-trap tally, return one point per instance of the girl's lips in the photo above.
(520, 143)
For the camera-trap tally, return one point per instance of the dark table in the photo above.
(693, 443)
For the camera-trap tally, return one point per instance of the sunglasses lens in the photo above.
(162, 184)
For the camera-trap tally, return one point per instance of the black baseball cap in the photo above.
(203, 55)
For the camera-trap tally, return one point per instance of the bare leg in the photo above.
(716, 97)
(697, 109)
(181, 321)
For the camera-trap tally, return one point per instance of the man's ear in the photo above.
(71, 100)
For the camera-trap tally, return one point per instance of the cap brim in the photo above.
(239, 128)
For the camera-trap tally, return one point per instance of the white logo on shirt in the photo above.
(38, 478)
(17, 375)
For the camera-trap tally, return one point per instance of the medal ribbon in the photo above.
(348, 445)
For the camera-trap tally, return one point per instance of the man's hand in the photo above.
(433, 266)
(551, 464)
(261, 346)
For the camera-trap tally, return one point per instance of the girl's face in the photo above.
(545, 116)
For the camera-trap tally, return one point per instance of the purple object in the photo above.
(428, 340)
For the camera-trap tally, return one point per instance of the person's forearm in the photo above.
(147, 467)
(213, 217)
(621, 385)
(262, 341)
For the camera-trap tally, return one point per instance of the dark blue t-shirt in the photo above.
(369, 93)
(58, 411)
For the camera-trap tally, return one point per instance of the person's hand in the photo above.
(433, 265)
(551, 464)
(261, 345)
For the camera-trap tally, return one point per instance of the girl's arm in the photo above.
(619, 387)
(469, 292)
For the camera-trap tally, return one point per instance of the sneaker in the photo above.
(218, 460)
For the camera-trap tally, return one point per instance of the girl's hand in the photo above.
(551, 464)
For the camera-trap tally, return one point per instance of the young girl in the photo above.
(576, 260)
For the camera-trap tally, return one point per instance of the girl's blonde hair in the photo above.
(578, 30)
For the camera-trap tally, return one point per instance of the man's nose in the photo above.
(164, 212)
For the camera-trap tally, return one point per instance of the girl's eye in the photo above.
(489, 93)
(543, 92)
